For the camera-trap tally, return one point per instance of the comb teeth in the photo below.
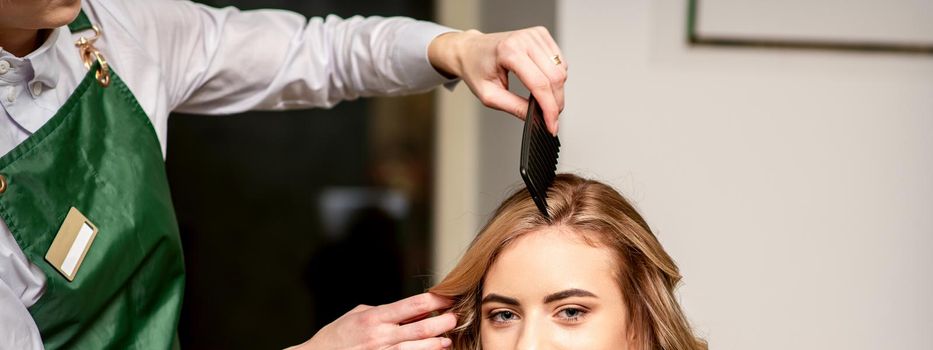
(539, 156)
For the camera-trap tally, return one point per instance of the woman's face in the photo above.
(551, 290)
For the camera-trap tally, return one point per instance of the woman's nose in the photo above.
(531, 337)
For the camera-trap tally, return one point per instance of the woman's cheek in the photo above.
(598, 333)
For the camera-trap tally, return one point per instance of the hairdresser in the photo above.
(90, 256)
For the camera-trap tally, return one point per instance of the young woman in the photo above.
(590, 276)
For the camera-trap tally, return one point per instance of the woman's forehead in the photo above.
(551, 259)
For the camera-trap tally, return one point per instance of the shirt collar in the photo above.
(43, 60)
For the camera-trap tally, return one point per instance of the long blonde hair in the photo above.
(646, 273)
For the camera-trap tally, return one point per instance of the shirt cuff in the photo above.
(411, 56)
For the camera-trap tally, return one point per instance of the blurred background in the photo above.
(290, 219)
(782, 151)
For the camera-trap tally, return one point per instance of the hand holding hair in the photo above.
(397, 326)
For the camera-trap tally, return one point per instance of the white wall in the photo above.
(794, 188)
(455, 194)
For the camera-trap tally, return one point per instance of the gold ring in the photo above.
(556, 59)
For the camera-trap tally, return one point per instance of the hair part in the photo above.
(646, 273)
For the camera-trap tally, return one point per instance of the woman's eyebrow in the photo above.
(567, 294)
(496, 298)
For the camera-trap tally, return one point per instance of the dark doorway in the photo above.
(289, 219)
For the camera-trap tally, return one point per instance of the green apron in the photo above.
(99, 153)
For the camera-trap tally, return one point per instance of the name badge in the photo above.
(71, 244)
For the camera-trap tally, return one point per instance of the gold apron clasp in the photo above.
(90, 54)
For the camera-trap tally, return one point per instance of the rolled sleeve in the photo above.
(411, 56)
(223, 61)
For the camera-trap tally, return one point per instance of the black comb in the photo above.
(539, 155)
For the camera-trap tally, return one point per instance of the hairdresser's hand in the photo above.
(483, 61)
(398, 326)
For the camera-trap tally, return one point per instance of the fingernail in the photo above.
(445, 342)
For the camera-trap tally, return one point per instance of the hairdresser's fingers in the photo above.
(424, 329)
(547, 56)
(555, 74)
(416, 318)
(556, 57)
(410, 307)
(498, 97)
(549, 43)
(539, 85)
(359, 308)
(424, 344)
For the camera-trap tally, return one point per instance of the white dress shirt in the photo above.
(186, 57)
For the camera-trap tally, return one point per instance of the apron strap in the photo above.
(80, 23)
(89, 54)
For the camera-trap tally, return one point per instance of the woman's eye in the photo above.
(503, 316)
(571, 314)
